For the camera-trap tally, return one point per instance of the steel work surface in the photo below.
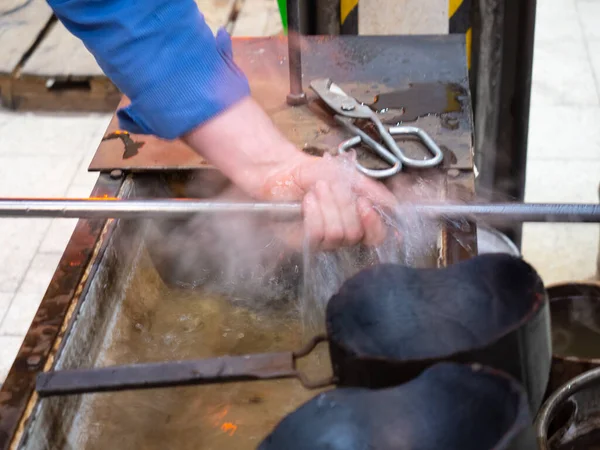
(364, 66)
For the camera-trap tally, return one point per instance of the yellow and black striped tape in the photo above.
(459, 13)
(349, 17)
(459, 17)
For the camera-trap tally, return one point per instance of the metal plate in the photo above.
(364, 66)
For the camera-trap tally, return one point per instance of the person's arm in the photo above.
(337, 199)
(163, 56)
(182, 82)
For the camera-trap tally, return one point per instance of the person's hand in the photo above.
(338, 202)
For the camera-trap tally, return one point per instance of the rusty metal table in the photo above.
(430, 70)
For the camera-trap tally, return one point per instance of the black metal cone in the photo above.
(390, 322)
(449, 406)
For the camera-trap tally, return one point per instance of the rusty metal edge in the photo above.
(39, 347)
(458, 242)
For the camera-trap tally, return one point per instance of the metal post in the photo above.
(503, 35)
(327, 17)
(296, 95)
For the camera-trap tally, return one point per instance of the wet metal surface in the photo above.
(365, 67)
(419, 100)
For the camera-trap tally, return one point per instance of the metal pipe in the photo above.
(131, 209)
(170, 208)
(296, 95)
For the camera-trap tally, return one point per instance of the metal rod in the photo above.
(173, 208)
(224, 369)
(296, 95)
(131, 209)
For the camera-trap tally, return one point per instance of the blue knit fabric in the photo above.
(163, 56)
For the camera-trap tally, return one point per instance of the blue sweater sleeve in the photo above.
(163, 56)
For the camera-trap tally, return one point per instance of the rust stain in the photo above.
(131, 146)
(229, 428)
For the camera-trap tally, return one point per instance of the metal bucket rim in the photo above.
(545, 415)
(536, 307)
(514, 250)
(592, 284)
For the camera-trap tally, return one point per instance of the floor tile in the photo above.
(20, 314)
(40, 273)
(594, 51)
(9, 347)
(549, 13)
(58, 235)
(82, 190)
(31, 176)
(589, 16)
(564, 132)
(556, 181)
(19, 241)
(562, 74)
(82, 176)
(5, 299)
(55, 134)
(25, 303)
(562, 252)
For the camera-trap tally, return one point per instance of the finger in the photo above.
(372, 223)
(376, 192)
(351, 221)
(332, 220)
(314, 226)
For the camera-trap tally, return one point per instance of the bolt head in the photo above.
(116, 174)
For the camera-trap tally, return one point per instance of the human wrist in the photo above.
(245, 145)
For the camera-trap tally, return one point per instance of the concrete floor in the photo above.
(48, 155)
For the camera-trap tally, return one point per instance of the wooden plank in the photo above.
(258, 18)
(34, 93)
(402, 17)
(19, 30)
(216, 12)
(60, 54)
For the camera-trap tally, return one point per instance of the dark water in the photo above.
(576, 327)
(419, 100)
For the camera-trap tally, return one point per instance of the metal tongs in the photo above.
(347, 109)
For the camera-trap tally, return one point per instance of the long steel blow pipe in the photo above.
(178, 208)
